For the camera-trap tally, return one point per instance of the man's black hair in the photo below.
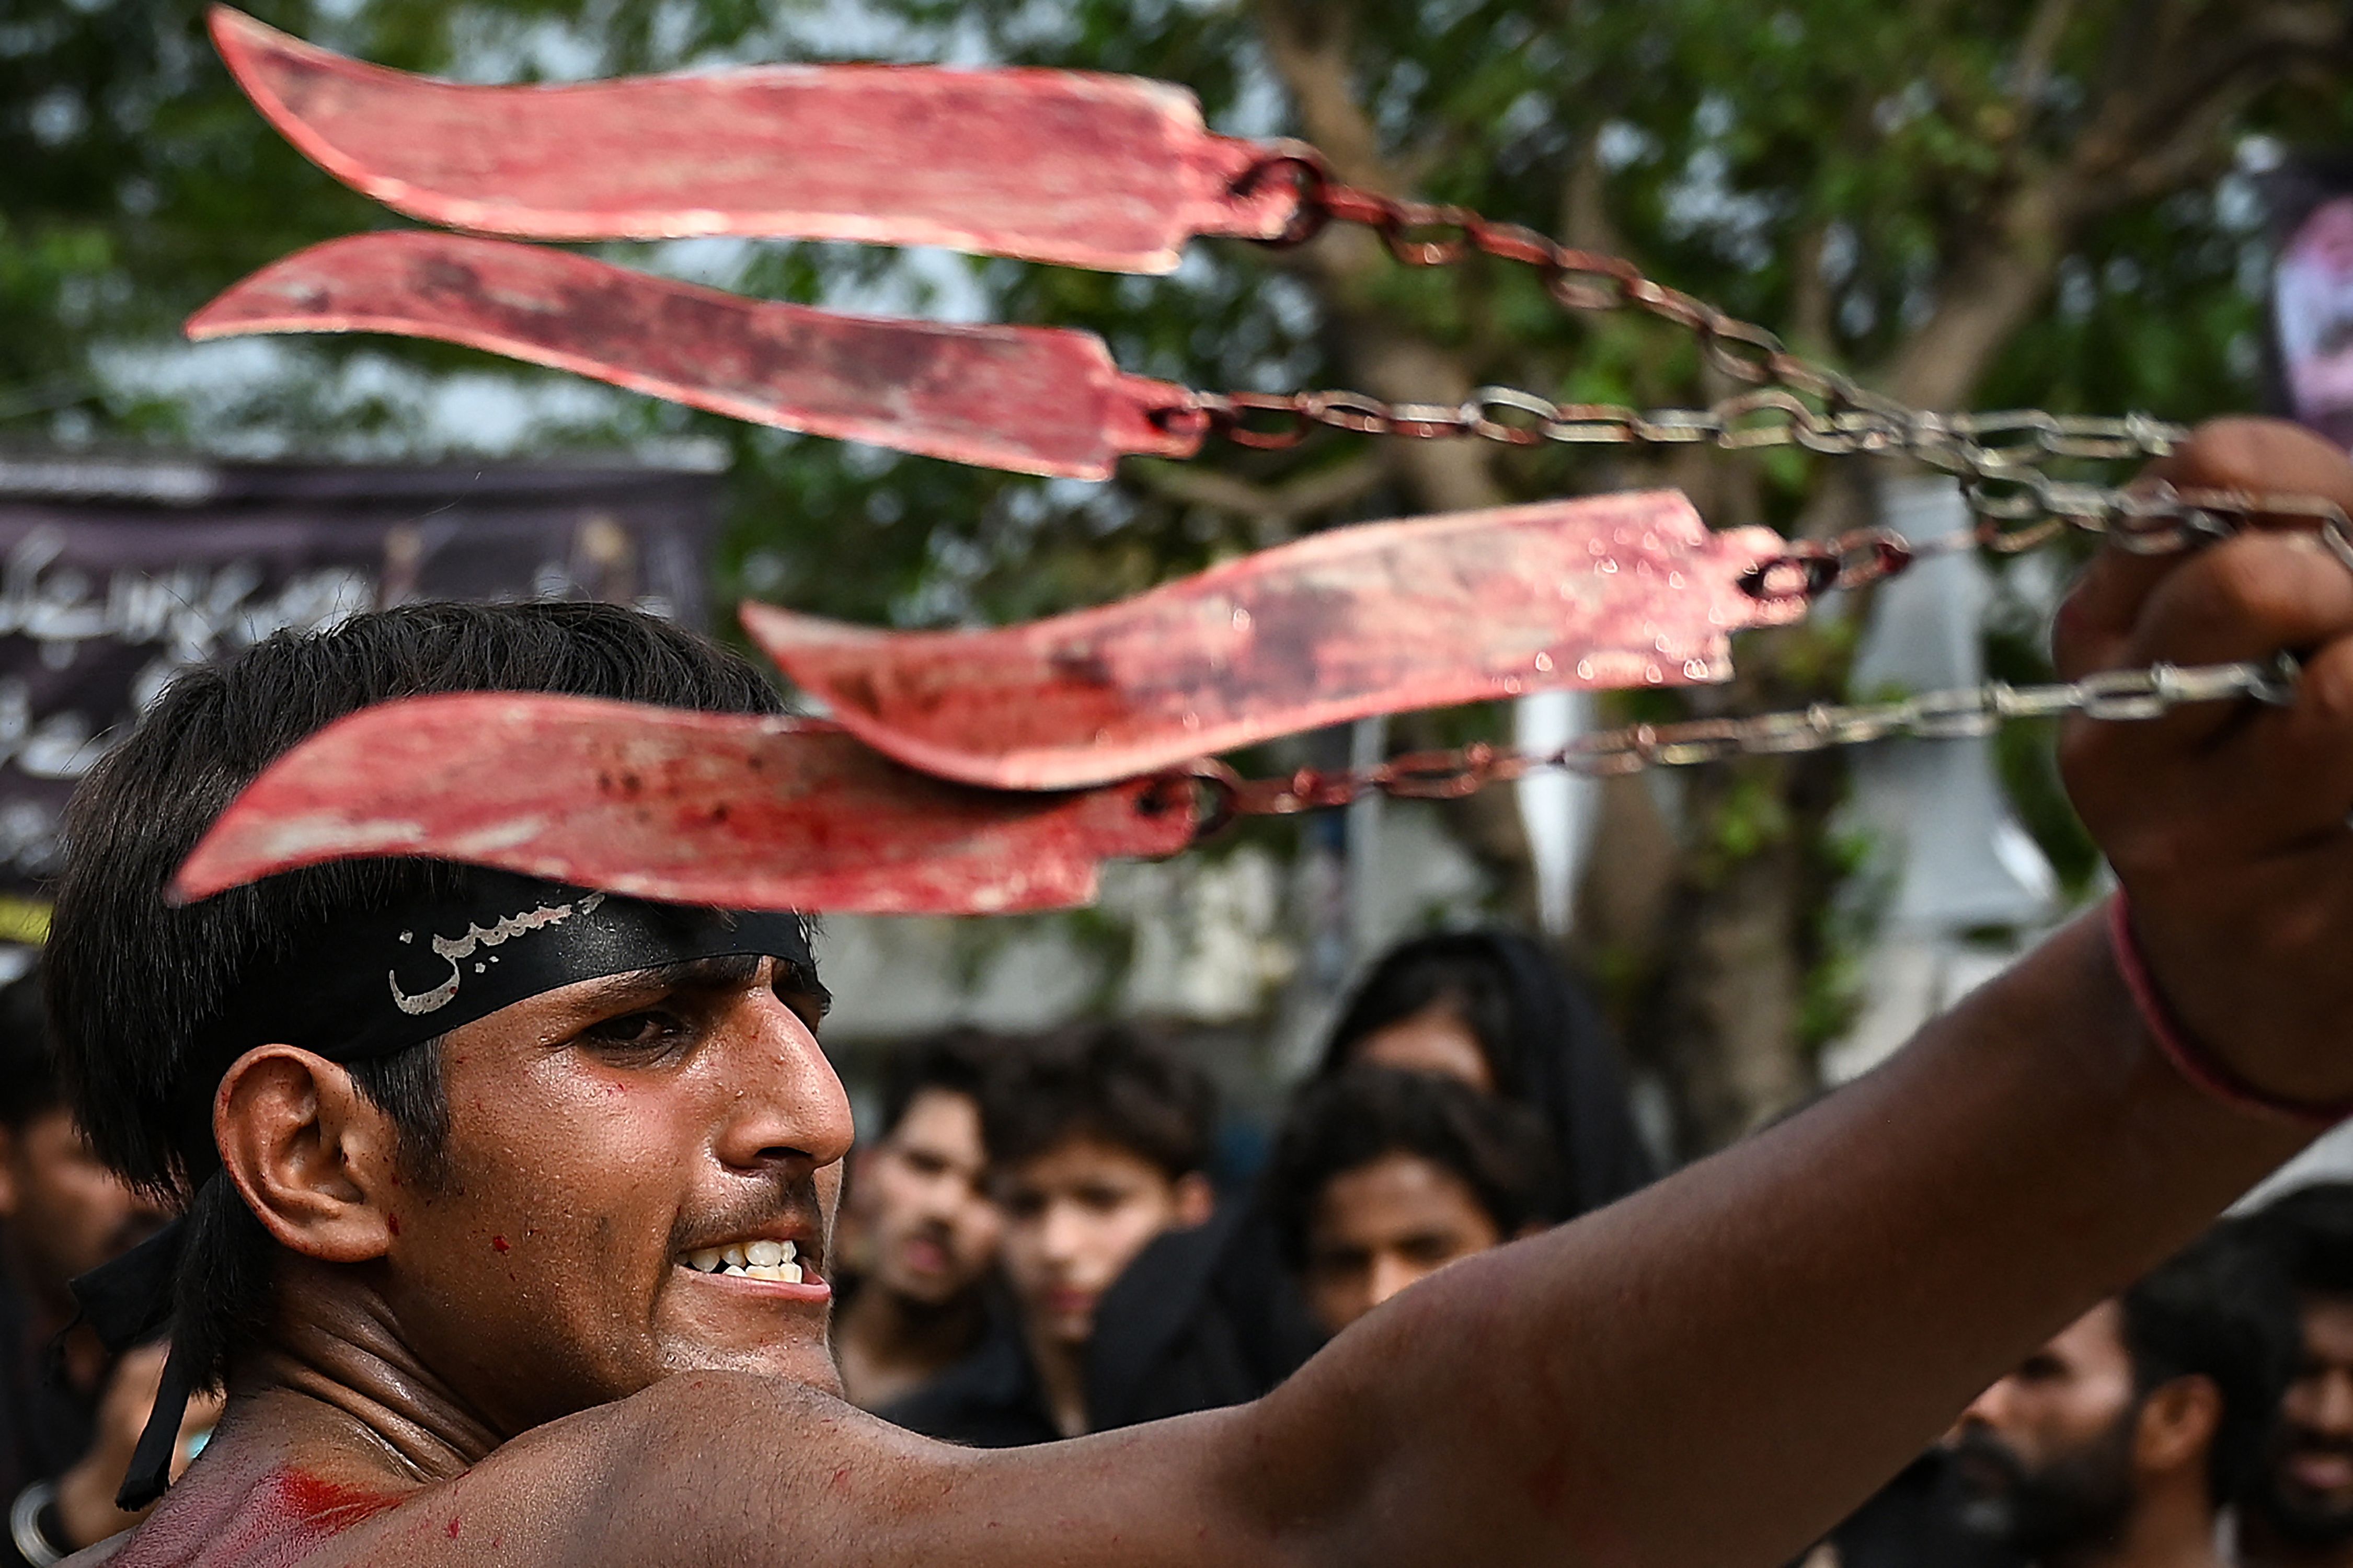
(957, 1061)
(1105, 1081)
(137, 988)
(30, 1085)
(1343, 1122)
(2308, 1233)
(2220, 1309)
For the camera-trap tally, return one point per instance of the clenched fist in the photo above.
(2227, 825)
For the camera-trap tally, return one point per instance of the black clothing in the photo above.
(1202, 1319)
(1555, 1057)
(991, 1399)
(44, 1426)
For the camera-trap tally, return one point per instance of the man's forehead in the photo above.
(2328, 1326)
(2094, 1343)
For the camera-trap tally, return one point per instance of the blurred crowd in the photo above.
(1040, 1239)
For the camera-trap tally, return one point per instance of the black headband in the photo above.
(373, 984)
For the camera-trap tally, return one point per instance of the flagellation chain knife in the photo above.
(1038, 400)
(1105, 172)
(1607, 591)
(700, 808)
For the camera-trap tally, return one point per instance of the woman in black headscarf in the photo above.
(1211, 1317)
(1491, 1008)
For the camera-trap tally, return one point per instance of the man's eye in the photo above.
(1433, 1249)
(647, 1030)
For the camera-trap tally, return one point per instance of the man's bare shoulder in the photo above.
(729, 1466)
(700, 1463)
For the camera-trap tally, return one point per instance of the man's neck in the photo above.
(336, 1370)
(2259, 1546)
(2169, 1527)
(887, 1343)
(1062, 1367)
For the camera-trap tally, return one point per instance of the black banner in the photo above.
(116, 574)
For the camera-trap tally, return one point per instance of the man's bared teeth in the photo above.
(756, 1261)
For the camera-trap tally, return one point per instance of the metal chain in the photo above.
(1969, 445)
(1960, 713)
(1998, 456)
(2018, 508)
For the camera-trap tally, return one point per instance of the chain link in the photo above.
(1961, 713)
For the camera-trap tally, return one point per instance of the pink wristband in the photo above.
(2208, 1073)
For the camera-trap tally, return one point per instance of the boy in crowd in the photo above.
(2119, 1442)
(1380, 1178)
(925, 1225)
(67, 1424)
(1100, 1141)
(2298, 1512)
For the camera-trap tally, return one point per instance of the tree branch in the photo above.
(2035, 51)
(1273, 511)
(1308, 42)
(2157, 125)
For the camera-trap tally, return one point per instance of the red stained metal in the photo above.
(699, 808)
(1622, 590)
(1038, 400)
(1103, 172)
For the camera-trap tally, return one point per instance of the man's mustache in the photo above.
(2301, 1442)
(792, 1198)
(1984, 1463)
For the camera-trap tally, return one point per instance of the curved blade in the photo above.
(1110, 173)
(1622, 590)
(1037, 400)
(741, 813)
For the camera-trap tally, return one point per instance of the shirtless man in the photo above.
(462, 1295)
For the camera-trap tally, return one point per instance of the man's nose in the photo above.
(787, 1099)
(1389, 1275)
(1983, 1412)
(1061, 1232)
(2332, 1411)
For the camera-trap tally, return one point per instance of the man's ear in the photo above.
(1195, 1199)
(2180, 1420)
(310, 1153)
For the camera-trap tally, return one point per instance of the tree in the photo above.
(2023, 201)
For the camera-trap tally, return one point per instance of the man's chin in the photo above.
(2308, 1519)
(770, 1333)
(791, 1359)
